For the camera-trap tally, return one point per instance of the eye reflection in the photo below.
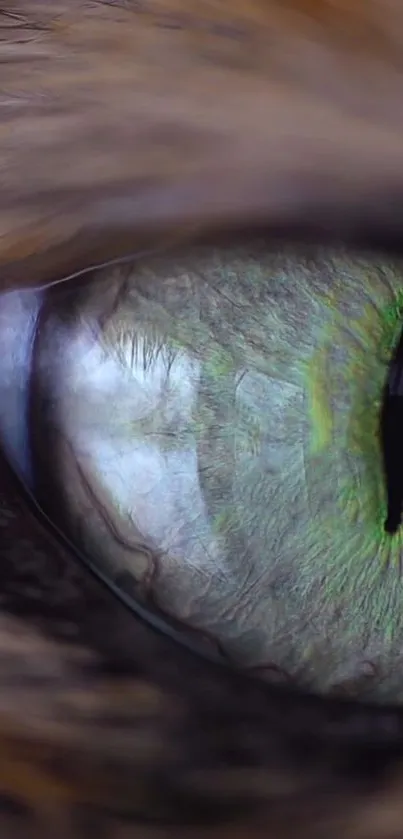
(206, 428)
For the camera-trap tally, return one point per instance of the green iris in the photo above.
(361, 563)
(247, 407)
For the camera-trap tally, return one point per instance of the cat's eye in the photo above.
(203, 427)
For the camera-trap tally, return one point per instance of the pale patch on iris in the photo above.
(319, 410)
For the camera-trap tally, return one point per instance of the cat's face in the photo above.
(124, 127)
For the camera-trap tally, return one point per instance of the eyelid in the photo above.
(128, 259)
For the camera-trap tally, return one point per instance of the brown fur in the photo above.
(130, 122)
(125, 125)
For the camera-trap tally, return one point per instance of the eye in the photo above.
(205, 429)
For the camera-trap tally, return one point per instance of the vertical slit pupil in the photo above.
(392, 439)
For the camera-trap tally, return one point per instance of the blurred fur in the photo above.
(109, 729)
(140, 121)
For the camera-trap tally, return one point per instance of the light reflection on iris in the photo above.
(206, 429)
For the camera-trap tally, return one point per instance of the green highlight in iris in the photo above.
(360, 553)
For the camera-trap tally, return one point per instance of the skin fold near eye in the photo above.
(207, 428)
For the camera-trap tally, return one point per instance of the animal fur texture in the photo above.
(123, 126)
(127, 122)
